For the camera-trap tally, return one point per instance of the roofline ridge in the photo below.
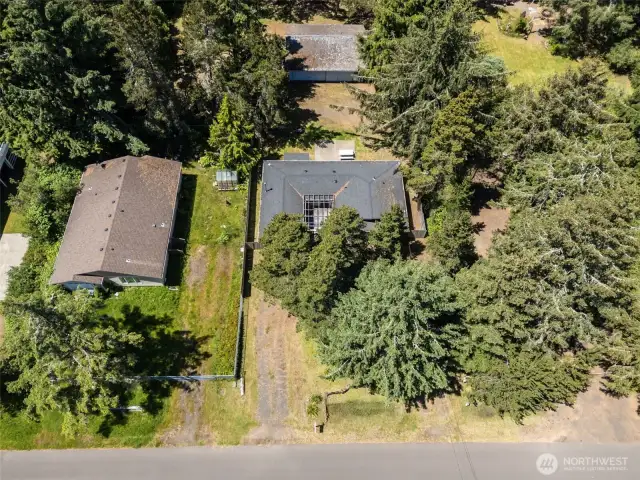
(117, 204)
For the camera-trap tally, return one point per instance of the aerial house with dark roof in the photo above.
(120, 225)
(323, 53)
(314, 188)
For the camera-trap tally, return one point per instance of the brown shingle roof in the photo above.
(121, 220)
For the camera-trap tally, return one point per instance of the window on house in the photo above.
(129, 280)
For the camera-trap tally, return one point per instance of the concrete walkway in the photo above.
(13, 246)
(475, 461)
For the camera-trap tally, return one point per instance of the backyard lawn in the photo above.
(204, 306)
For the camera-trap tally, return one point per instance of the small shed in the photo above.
(227, 180)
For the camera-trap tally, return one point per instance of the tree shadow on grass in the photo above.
(162, 352)
(11, 403)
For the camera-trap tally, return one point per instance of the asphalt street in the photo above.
(355, 462)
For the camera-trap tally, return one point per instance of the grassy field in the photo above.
(14, 223)
(529, 61)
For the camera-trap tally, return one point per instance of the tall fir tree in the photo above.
(395, 332)
(60, 91)
(67, 359)
(428, 67)
(148, 56)
(232, 142)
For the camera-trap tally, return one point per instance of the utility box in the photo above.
(226, 180)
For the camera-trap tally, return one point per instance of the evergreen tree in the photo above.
(428, 67)
(591, 27)
(395, 332)
(256, 79)
(387, 237)
(232, 56)
(528, 382)
(142, 36)
(286, 246)
(68, 358)
(392, 19)
(569, 108)
(621, 352)
(231, 139)
(555, 278)
(451, 241)
(333, 264)
(60, 93)
(458, 141)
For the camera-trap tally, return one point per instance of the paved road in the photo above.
(328, 462)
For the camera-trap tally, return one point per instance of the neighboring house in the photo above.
(314, 188)
(6, 158)
(120, 225)
(323, 53)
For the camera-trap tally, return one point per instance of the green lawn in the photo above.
(14, 223)
(135, 429)
(203, 306)
(530, 62)
(157, 301)
(208, 307)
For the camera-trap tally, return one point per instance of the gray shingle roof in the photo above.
(323, 47)
(371, 187)
(111, 227)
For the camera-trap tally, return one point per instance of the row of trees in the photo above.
(84, 81)
(307, 273)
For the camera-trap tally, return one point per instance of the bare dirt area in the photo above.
(197, 266)
(488, 221)
(272, 324)
(190, 402)
(334, 105)
(595, 418)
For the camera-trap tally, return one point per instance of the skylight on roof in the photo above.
(316, 210)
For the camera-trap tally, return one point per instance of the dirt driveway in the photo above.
(273, 325)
